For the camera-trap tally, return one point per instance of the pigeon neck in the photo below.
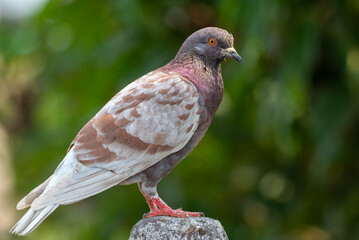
(195, 68)
(206, 77)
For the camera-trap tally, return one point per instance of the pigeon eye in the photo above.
(212, 42)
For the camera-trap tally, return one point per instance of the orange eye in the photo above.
(212, 41)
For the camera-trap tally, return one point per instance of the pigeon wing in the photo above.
(148, 120)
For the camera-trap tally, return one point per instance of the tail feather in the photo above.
(29, 198)
(32, 219)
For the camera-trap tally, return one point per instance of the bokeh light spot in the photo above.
(353, 60)
(314, 233)
(255, 214)
(244, 178)
(59, 38)
(275, 187)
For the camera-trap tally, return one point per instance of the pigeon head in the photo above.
(211, 45)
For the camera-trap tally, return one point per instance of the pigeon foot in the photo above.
(173, 213)
(160, 208)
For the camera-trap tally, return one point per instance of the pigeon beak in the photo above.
(232, 53)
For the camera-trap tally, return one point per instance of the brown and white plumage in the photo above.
(131, 133)
(138, 136)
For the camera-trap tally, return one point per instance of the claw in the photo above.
(173, 213)
(159, 208)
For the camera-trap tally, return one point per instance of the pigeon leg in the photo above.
(159, 208)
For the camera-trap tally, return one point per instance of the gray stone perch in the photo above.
(172, 228)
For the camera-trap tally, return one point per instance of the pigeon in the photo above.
(142, 133)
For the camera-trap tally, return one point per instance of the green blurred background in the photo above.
(281, 158)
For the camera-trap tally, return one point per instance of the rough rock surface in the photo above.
(172, 228)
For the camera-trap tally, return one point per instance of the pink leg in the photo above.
(159, 208)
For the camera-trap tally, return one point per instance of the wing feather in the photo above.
(148, 120)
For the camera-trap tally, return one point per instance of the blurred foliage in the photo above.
(280, 160)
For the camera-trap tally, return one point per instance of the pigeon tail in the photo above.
(32, 219)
